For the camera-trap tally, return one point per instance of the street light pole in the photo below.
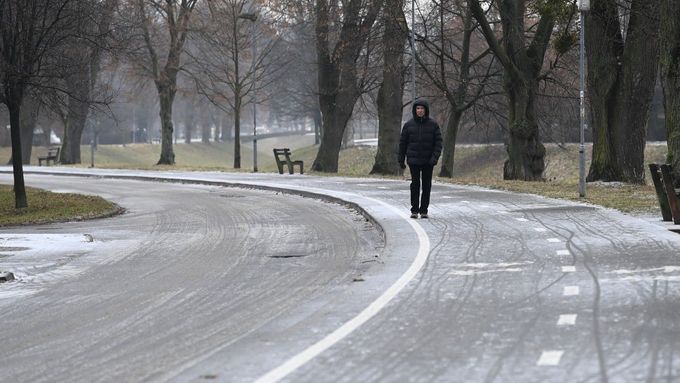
(413, 50)
(253, 17)
(583, 6)
(254, 100)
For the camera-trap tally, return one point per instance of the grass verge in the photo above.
(46, 207)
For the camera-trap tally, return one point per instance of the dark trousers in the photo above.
(420, 204)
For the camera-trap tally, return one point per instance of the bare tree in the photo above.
(622, 46)
(230, 69)
(164, 28)
(454, 61)
(30, 31)
(522, 52)
(338, 52)
(79, 68)
(670, 78)
(391, 92)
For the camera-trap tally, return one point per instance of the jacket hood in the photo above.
(421, 102)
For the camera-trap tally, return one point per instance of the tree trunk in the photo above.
(14, 106)
(237, 133)
(450, 136)
(526, 153)
(621, 78)
(166, 94)
(522, 65)
(670, 79)
(318, 128)
(337, 74)
(76, 117)
(205, 122)
(391, 92)
(30, 109)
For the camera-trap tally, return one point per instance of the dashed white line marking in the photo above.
(503, 212)
(550, 358)
(563, 252)
(383, 187)
(447, 196)
(484, 206)
(567, 320)
(568, 269)
(522, 219)
(465, 201)
(541, 229)
(554, 240)
(570, 291)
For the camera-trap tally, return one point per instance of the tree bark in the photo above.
(338, 88)
(13, 103)
(30, 109)
(166, 94)
(237, 133)
(452, 124)
(621, 77)
(522, 65)
(670, 79)
(391, 92)
(76, 116)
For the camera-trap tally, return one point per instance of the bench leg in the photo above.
(660, 192)
(670, 193)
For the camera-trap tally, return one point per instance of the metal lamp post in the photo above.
(253, 17)
(583, 6)
(413, 50)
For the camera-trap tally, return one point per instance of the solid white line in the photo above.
(554, 240)
(563, 252)
(550, 358)
(568, 269)
(567, 320)
(570, 291)
(314, 350)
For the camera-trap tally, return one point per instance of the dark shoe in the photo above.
(423, 215)
(414, 215)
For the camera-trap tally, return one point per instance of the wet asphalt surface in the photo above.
(188, 285)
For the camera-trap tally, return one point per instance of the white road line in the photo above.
(447, 196)
(570, 291)
(568, 269)
(465, 201)
(541, 229)
(563, 252)
(554, 240)
(550, 358)
(567, 320)
(522, 219)
(317, 348)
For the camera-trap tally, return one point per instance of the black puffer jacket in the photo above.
(421, 139)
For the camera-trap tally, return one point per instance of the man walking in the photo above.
(420, 145)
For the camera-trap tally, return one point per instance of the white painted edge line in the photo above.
(317, 348)
(568, 269)
(563, 252)
(550, 358)
(554, 240)
(522, 219)
(567, 320)
(570, 291)
(541, 229)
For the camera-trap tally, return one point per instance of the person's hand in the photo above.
(433, 161)
(402, 165)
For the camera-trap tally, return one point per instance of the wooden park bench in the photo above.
(285, 152)
(669, 201)
(52, 155)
